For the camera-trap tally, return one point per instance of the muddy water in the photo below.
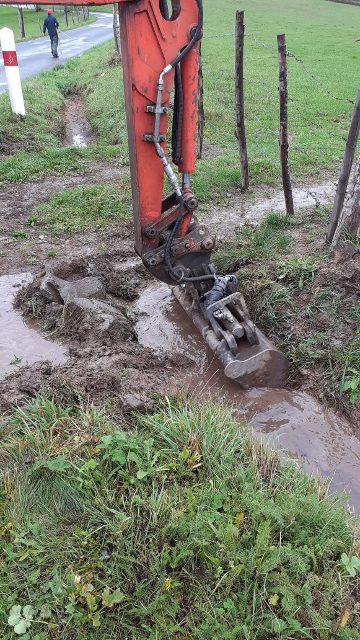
(20, 344)
(78, 132)
(291, 421)
(241, 210)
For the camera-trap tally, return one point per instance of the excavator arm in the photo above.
(160, 57)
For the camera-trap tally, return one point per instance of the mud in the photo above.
(291, 421)
(21, 344)
(78, 132)
(242, 208)
(88, 304)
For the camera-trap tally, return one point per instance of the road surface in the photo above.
(34, 56)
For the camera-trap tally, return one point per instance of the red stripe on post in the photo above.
(10, 59)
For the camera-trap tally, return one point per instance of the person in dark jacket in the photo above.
(52, 25)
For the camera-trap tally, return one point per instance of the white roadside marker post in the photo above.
(7, 43)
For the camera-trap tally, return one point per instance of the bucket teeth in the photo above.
(247, 356)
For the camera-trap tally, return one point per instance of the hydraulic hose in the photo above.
(176, 136)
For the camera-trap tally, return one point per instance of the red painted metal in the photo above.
(10, 59)
(149, 43)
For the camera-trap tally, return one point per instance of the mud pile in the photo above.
(87, 305)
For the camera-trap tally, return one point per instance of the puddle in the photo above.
(294, 422)
(20, 344)
(241, 210)
(305, 197)
(78, 132)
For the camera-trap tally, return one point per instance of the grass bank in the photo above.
(33, 21)
(173, 526)
(321, 95)
(33, 147)
(304, 299)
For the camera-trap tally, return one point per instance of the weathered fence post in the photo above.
(200, 111)
(345, 171)
(239, 97)
(283, 128)
(116, 28)
(21, 22)
(352, 222)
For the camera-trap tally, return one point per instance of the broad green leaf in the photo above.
(28, 612)
(45, 612)
(96, 621)
(141, 474)
(110, 598)
(15, 615)
(22, 627)
(58, 465)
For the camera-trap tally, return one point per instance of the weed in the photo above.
(18, 235)
(32, 221)
(52, 253)
(297, 271)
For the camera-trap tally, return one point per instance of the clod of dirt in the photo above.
(131, 402)
(80, 309)
(57, 290)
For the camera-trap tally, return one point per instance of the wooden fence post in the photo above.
(345, 171)
(239, 97)
(21, 22)
(116, 29)
(283, 129)
(352, 222)
(200, 111)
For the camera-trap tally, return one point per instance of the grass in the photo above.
(320, 95)
(79, 208)
(314, 324)
(34, 20)
(32, 148)
(178, 527)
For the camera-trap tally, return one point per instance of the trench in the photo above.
(78, 131)
(21, 343)
(292, 422)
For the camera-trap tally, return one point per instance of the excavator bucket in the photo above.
(247, 356)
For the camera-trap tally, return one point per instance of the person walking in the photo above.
(52, 25)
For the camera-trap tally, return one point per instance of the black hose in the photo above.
(177, 118)
(196, 36)
(164, 9)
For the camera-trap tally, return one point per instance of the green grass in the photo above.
(34, 20)
(320, 95)
(80, 208)
(33, 146)
(179, 528)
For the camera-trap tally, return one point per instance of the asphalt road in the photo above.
(35, 56)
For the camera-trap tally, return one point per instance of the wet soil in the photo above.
(21, 344)
(25, 247)
(78, 132)
(243, 208)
